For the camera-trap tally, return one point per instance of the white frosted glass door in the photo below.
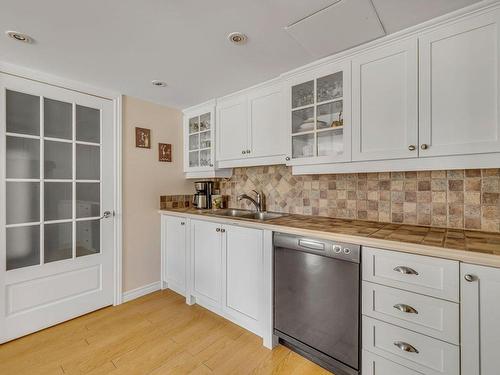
(56, 251)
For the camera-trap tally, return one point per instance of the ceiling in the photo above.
(124, 44)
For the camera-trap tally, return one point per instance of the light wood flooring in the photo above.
(155, 334)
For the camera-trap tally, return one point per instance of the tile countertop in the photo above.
(464, 245)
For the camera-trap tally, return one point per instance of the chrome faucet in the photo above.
(258, 203)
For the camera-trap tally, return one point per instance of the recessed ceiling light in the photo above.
(20, 37)
(237, 38)
(158, 83)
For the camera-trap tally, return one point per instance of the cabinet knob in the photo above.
(211, 165)
(412, 147)
(243, 152)
(470, 278)
(248, 151)
(217, 229)
(223, 230)
(287, 158)
(424, 146)
(183, 223)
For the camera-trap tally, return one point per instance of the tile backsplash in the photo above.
(465, 199)
(175, 201)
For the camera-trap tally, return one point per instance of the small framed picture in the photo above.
(142, 138)
(165, 152)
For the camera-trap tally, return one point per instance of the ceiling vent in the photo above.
(341, 25)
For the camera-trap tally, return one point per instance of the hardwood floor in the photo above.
(156, 334)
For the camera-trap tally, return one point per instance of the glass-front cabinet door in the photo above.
(199, 139)
(319, 116)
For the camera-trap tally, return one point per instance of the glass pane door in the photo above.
(317, 117)
(200, 141)
(53, 180)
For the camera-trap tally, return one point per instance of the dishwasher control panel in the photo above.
(339, 250)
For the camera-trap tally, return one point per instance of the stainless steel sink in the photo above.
(247, 214)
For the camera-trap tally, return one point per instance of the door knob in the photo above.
(412, 147)
(424, 146)
(107, 214)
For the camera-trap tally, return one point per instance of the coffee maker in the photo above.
(202, 199)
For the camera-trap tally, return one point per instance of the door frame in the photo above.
(116, 98)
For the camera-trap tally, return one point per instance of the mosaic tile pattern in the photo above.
(461, 199)
(175, 201)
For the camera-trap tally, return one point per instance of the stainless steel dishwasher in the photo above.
(317, 299)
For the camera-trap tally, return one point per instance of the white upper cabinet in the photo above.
(459, 84)
(318, 106)
(480, 317)
(250, 128)
(232, 128)
(384, 102)
(199, 142)
(267, 131)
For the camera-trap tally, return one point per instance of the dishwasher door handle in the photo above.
(312, 245)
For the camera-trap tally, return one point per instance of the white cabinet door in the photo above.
(384, 94)
(243, 274)
(480, 319)
(459, 83)
(267, 129)
(232, 128)
(174, 253)
(206, 263)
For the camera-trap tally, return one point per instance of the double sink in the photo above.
(247, 214)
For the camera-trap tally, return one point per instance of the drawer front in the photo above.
(375, 365)
(416, 273)
(427, 315)
(413, 350)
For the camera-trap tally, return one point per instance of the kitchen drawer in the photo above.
(375, 365)
(423, 353)
(416, 273)
(431, 316)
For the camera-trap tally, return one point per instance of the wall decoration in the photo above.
(142, 138)
(165, 152)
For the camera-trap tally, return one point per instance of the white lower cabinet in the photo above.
(480, 324)
(225, 268)
(206, 263)
(410, 349)
(243, 274)
(377, 365)
(411, 320)
(174, 252)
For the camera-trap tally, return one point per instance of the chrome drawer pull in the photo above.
(405, 308)
(405, 270)
(405, 347)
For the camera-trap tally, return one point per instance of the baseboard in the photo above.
(141, 291)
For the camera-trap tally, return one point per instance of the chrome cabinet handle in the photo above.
(107, 215)
(424, 146)
(217, 229)
(405, 270)
(412, 147)
(405, 347)
(405, 308)
(470, 278)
